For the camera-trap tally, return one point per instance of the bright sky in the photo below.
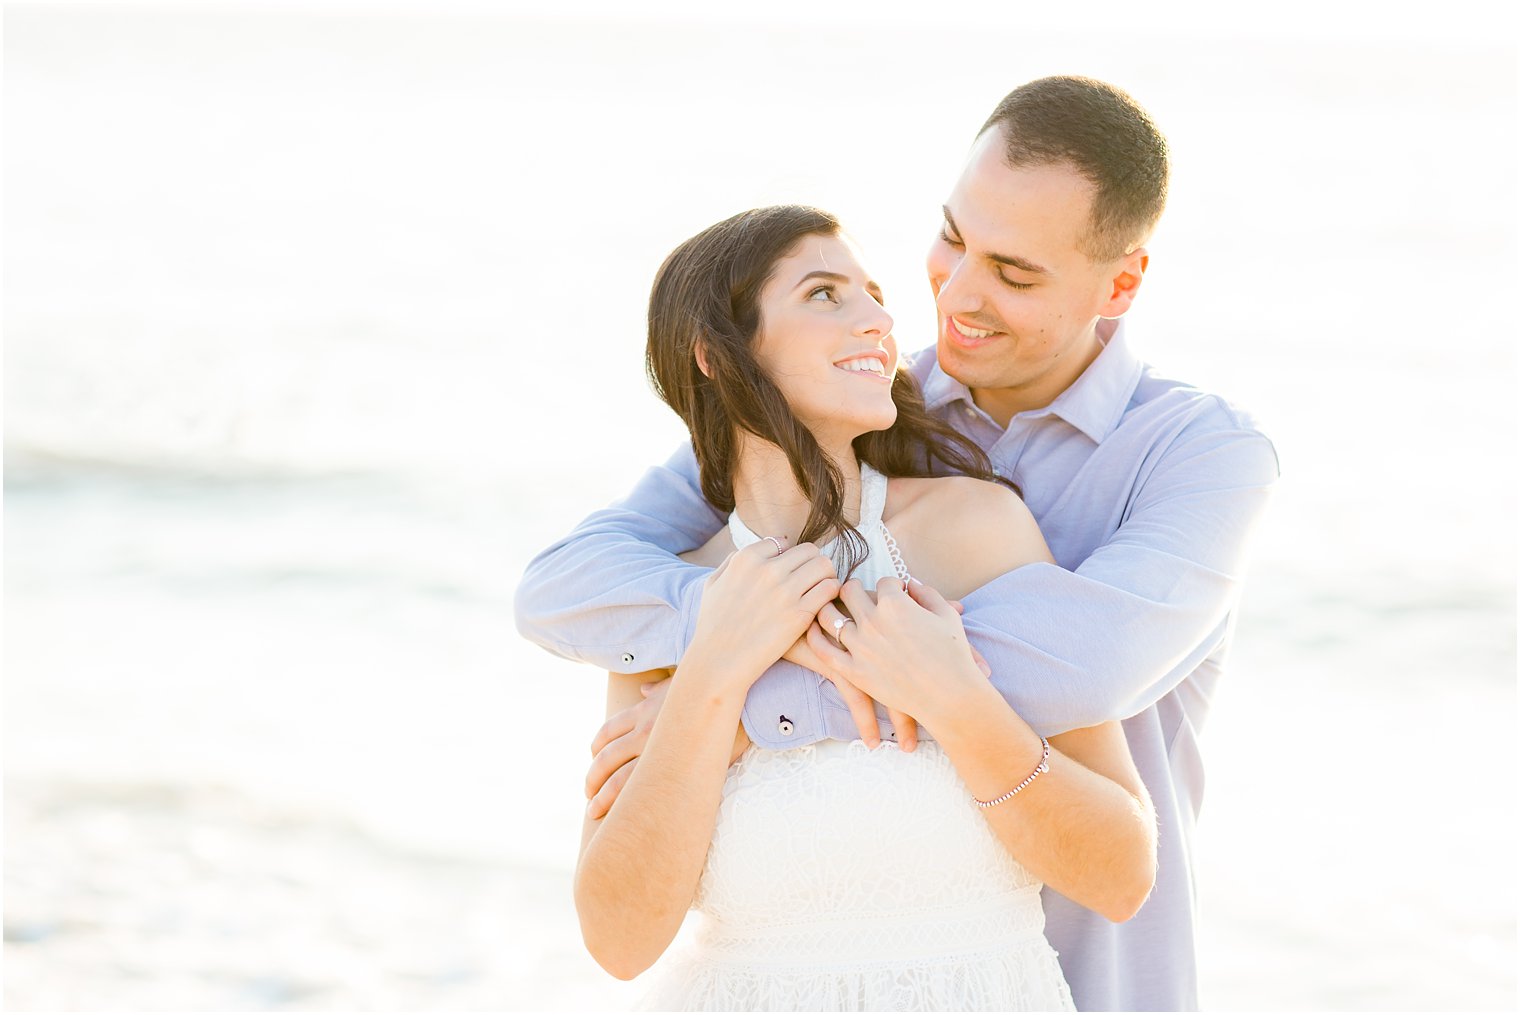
(1458, 22)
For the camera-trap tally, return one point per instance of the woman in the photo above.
(842, 876)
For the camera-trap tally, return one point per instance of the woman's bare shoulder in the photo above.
(957, 533)
(946, 497)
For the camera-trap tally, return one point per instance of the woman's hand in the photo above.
(907, 649)
(755, 606)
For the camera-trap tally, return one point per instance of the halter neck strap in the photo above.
(873, 500)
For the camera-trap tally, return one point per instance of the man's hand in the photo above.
(619, 743)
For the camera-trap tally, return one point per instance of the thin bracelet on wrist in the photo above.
(1039, 770)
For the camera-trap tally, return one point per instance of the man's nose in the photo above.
(955, 294)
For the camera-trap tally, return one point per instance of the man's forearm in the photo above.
(1061, 668)
(604, 598)
(612, 592)
(1070, 649)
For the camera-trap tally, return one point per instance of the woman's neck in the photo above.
(768, 499)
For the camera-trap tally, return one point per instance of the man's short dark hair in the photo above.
(1107, 137)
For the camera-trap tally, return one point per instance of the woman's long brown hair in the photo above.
(708, 292)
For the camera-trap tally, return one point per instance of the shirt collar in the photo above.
(1095, 401)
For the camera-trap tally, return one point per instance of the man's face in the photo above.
(1018, 300)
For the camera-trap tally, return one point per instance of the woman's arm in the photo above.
(1085, 827)
(640, 865)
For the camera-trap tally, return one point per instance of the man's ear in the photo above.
(701, 350)
(1126, 282)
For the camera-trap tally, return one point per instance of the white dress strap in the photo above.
(739, 532)
(873, 501)
(894, 553)
(873, 498)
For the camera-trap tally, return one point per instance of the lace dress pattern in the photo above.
(842, 878)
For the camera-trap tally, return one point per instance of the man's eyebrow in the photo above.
(1021, 263)
(834, 276)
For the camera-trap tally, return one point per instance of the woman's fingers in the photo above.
(830, 617)
(907, 729)
(819, 596)
(803, 655)
(763, 553)
(929, 598)
(610, 789)
(855, 598)
(808, 572)
(834, 662)
(798, 556)
(831, 657)
(862, 710)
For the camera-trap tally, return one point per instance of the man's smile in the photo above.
(966, 336)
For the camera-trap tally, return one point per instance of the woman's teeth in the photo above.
(868, 364)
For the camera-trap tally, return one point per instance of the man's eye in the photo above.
(1010, 283)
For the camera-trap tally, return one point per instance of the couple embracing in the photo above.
(942, 632)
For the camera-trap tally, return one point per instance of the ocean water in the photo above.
(320, 323)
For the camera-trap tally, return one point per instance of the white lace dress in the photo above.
(847, 879)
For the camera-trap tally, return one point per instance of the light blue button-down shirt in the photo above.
(1147, 491)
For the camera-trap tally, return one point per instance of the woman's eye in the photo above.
(826, 290)
(944, 234)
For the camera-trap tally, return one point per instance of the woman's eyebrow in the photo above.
(834, 276)
(827, 276)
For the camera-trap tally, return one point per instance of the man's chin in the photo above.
(962, 364)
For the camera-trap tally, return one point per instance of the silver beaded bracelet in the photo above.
(1039, 770)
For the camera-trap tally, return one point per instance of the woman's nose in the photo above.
(875, 321)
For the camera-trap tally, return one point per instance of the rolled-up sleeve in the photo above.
(612, 592)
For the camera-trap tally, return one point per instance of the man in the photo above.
(1146, 490)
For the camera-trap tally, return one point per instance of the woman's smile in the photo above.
(871, 364)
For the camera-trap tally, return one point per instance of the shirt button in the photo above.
(627, 657)
(784, 726)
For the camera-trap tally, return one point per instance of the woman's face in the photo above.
(826, 342)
